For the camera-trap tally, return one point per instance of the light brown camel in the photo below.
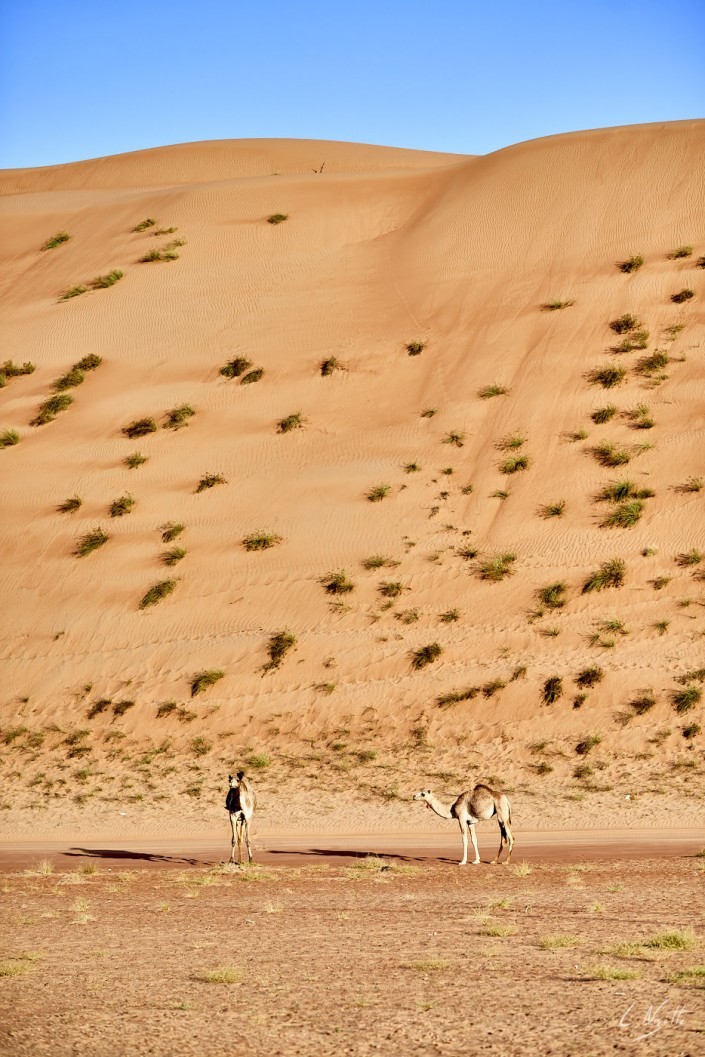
(471, 807)
(240, 804)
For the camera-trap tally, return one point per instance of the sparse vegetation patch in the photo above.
(90, 541)
(156, 593)
(51, 408)
(236, 367)
(203, 680)
(140, 428)
(610, 574)
(632, 264)
(56, 240)
(425, 655)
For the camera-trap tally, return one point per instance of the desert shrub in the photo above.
(455, 437)
(209, 480)
(235, 368)
(378, 493)
(278, 647)
(139, 428)
(493, 687)
(692, 557)
(643, 702)
(102, 281)
(638, 339)
(589, 676)
(202, 680)
(647, 365)
(261, 541)
(277, 218)
(429, 412)
(56, 240)
(69, 380)
(680, 252)
(163, 231)
(337, 583)
(415, 348)
(295, 421)
(73, 291)
(170, 531)
(450, 616)
(553, 596)
(144, 224)
(624, 515)
(51, 408)
(329, 365)
(379, 561)
(691, 730)
(9, 438)
(514, 464)
(259, 760)
(173, 555)
(603, 414)
(687, 698)
(90, 541)
(201, 746)
(455, 696)
(693, 484)
(70, 505)
(618, 491)
(639, 417)
(624, 323)
(407, 616)
(556, 305)
(552, 509)
(390, 588)
(178, 416)
(123, 505)
(608, 455)
(511, 443)
(163, 254)
(121, 707)
(607, 376)
(10, 369)
(156, 593)
(252, 376)
(632, 264)
(682, 296)
(496, 567)
(492, 390)
(552, 690)
(134, 460)
(467, 553)
(425, 655)
(610, 574)
(412, 467)
(587, 744)
(89, 363)
(700, 263)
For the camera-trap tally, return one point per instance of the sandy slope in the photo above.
(382, 248)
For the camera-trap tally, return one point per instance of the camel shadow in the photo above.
(122, 853)
(343, 853)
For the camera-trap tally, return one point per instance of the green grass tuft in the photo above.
(156, 593)
(552, 690)
(252, 376)
(170, 531)
(277, 218)
(70, 505)
(9, 438)
(687, 698)
(278, 647)
(337, 583)
(139, 428)
(123, 505)
(144, 224)
(608, 454)
(496, 567)
(632, 264)
(235, 368)
(73, 291)
(178, 416)
(261, 541)
(70, 380)
(514, 464)
(330, 365)
(552, 509)
(56, 240)
(603, 414)
(625, 323)
(625, 515)
(378, 493)
(553, 596)
(556, 305)
(134, 460)
(682, 296)
(425, 655)
(209, 480)
(610, 574)
(492, 390)
(173, 556)
(51, 408)
(607, 376)
(295, 421)
(589, 677)
(101, 282)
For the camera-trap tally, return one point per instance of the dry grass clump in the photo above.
(496, 567)
(235, 368)
(552, 690)
(589, 677)
(202, 680)
(178, 416)
(552, 509)
(425, 655)
(51, 408)
(337, 583)
(70, 505)
(173, 556)
(455, 696)
(682, 296)
(144, 224)
(608, 454)
(123, 505)
(643, 702)
(625, 323)
(610, 574)
(514, 464)
(8, 438)
(55, 240)
(277, 218)
(252, 376)
(556, 305)
(687, 698)
(693, 484)
(688, 558)
(164, 254)
(139, 428)
(553, 596)
(647, 366)
(489, 391)
(603, 414)
(632, 264)
(455, 437)
(637, 339)
(135, 460)
(156, 593)
(295, 421)
(209, 480)
(624, 515)
(586, 745)
(378, 493)
(608, 376)
(415, 348)
(379, 561)
(330, 365)
(679, 253)
(278, 647)
(170, 531)
(261, 541)
(90, 541)
(227, 974)
(101, 282)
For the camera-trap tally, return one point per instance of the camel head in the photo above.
(234, 782)
(423, 794)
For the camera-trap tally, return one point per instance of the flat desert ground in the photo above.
(363, 470)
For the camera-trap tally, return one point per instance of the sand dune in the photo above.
(382, 248)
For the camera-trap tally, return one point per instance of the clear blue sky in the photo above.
(84, 78)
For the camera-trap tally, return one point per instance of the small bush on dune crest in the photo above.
(10, 369)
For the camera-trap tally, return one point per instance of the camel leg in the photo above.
(464, 834)
(239, 842)
(509, 839)
(232, 845)
(247, 840)
(502, 839)
(473, 838)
